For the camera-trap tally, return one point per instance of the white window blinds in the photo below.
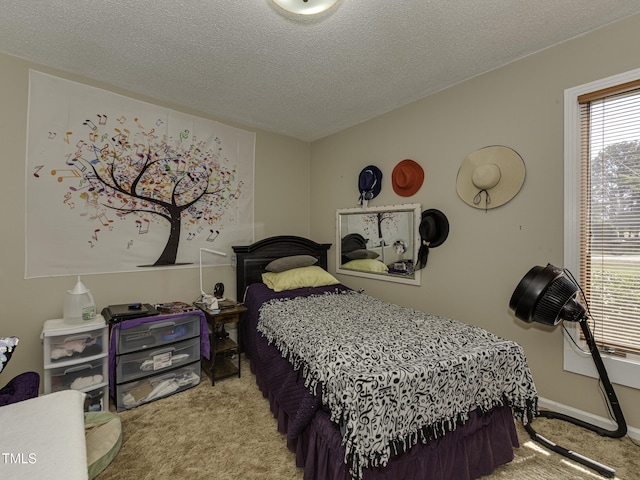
(610, 213)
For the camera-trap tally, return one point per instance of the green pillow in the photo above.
(312, 276)
(366, 265)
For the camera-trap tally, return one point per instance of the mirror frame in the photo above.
(414, 208)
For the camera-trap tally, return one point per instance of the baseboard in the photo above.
(601, 422)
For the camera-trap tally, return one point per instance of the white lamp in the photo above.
(305, 7)
(210, 301)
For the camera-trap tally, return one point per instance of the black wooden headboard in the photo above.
(251, 260)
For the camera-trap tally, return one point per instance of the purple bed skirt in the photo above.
(472, 450)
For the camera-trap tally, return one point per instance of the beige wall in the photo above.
(472, 275)
(281, 165)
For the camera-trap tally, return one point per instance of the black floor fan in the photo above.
(548, 295)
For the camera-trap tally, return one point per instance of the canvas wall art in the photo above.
(114, 184)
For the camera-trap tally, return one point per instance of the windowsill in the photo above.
(621, 370)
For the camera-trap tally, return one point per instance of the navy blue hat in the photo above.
(369, 183)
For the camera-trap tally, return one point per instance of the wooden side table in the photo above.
(222, 347)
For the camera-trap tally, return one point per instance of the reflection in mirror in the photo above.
(379, 242)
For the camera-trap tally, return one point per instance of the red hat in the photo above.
(407, 178)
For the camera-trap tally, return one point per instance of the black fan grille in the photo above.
(553, 300)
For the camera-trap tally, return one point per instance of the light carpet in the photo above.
(227, 432)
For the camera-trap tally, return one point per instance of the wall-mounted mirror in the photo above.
(379, 242)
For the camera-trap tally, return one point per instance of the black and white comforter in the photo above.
(393, 376)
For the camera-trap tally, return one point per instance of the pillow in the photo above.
(367, 265)
(312, 276)
(288, 263)
(7, 346)
(362, 253)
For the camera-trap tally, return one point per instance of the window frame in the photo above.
(621, 370)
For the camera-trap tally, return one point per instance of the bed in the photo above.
(415, 403)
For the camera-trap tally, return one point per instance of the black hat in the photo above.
(434, 230)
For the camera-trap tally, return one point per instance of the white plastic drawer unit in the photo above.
(81, 376)
(132, 394)
(158, 333)
(75, 346)
(96, 400)
(149, 362)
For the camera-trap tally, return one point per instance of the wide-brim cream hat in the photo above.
(490, 177)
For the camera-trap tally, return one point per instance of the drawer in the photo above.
(149, 362)
(74, 347)
(97, 400)
(83, 376)
(157, 333)
(133, 394)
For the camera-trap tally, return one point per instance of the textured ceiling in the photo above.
(248, 61)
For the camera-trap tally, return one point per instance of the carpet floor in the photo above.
(227, 432)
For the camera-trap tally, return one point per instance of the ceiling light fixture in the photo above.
(305, 7)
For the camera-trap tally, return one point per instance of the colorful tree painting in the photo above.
(149, 178)
(115, 184)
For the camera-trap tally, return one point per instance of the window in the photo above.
(602, 225)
